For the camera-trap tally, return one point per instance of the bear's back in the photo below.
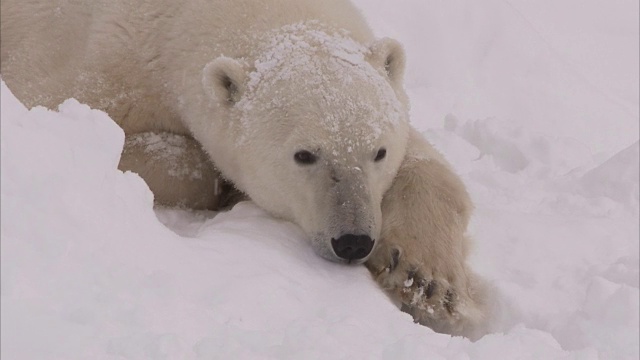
(136, 58)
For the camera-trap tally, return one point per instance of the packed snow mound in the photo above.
(514, 149)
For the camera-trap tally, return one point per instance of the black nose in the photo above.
(352, 247)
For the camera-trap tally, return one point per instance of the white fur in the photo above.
(254, 82)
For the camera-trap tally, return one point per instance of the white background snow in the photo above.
(534, 102)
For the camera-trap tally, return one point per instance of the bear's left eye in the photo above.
(304, 157)
(381, 154)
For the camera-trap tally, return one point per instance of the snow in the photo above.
(535, 104)
(300, 60)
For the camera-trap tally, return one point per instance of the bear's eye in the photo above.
(304, 157)
(381, 154)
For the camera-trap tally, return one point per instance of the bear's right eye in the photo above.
(381, 154)
(304, 157)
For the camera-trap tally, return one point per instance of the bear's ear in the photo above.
(388, 55)
(224, 79)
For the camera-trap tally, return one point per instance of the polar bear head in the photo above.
(318, 127)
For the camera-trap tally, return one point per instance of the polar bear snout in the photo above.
(352, 247)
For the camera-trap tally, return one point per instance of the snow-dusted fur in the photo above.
(255, 82)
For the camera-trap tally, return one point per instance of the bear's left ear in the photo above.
(388, 55)
(224, 78)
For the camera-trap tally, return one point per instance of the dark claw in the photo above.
(448, 301)
(395, 259)
(431, 287)
(411, 274)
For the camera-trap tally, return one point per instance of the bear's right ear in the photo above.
(224, 78)
(388, 55)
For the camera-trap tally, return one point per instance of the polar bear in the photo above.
(295, 102)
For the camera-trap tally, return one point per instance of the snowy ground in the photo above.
(534, 102)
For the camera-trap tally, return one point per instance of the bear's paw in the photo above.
(447, 299)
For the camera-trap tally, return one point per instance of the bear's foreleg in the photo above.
(421, 259)
(177, 170)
